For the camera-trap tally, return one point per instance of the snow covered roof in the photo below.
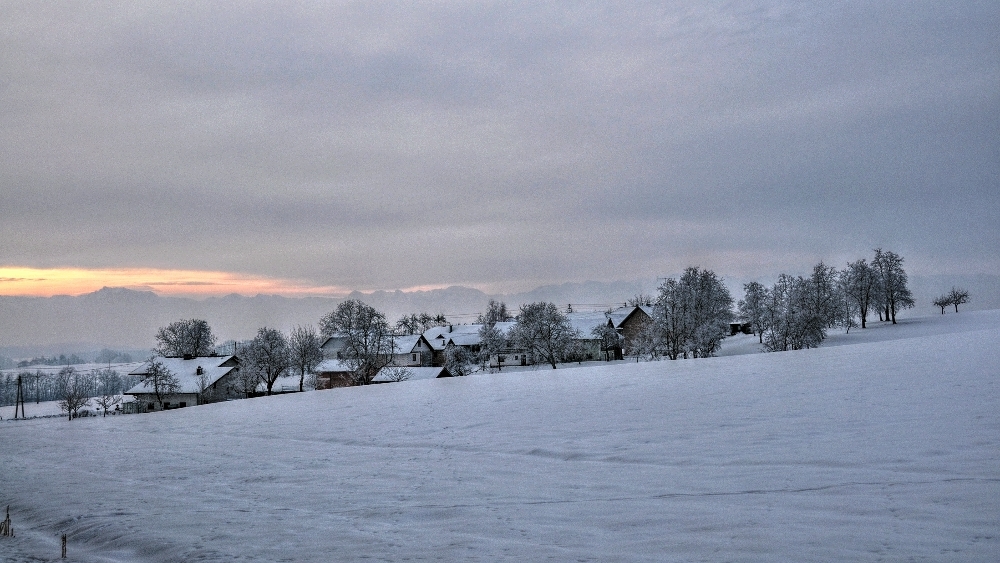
(213, 367)
(416, 373)
(585, 322)
(331, 366)
(462, 335)
(405, 344)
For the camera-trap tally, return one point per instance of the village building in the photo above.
(632, 325)
(202, 380)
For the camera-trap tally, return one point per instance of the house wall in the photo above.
(189, 400)
(333, 379)
(632, 326)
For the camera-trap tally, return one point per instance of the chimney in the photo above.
(450, 327)
(199, 371)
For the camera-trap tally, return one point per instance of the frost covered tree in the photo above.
(109, 389)
(751, 309)
(368, 339)
(496, 312)
(418, 324)
(396, 373)
(544, 332)
(74, 391)
(647, 343)
(163, 382)
(895, 295)
(304, 348)
(267, 355)
(459, 360)
(692, 314)
(860, 282)
(192, 337)
(491, 343)
(847, 308)
(958, 296)
(799, 310)
(611, 341)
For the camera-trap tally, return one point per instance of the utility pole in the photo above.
(19, 401)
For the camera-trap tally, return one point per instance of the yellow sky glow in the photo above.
(45, 282)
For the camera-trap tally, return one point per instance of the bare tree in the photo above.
(304, 346)
(418, 324)
(611, 341)
(268, 355)
(860, 282)
(496, 312)
(491, 343)
(192, 337)
(958, 296)
(161, 381)
(396, 373)
(459, 360)
(544, 332)
(640, 300)
(109, 385)
(943, 302)
(73, 391)
(368, 340)
(847, 308)
(647, 343)
(247, 376)
(892, 279)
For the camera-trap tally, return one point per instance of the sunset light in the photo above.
(45, 282)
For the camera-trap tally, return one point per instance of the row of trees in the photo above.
(691, 316)
(74, 389)
(796, 311)
(957, 296)
(39, 386)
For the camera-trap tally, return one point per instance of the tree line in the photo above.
(73, 388)
(690, 317)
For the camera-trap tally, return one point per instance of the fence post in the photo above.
(64, 546)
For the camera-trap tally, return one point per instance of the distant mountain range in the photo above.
(125, 319)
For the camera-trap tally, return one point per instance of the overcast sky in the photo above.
(498, 145)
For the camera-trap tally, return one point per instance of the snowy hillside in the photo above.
(861, 451)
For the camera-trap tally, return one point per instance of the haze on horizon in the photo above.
(307, 149)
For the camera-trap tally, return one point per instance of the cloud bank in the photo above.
(499, 145)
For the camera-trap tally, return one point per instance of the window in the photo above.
(413, 357)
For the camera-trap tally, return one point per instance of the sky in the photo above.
(317, 148)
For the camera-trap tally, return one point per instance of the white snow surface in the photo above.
(866, 451)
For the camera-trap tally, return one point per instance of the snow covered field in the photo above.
(882, 446)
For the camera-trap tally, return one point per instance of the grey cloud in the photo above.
(377, 145)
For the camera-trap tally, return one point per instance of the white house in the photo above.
(202, 379)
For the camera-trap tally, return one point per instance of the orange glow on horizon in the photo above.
(46, 282)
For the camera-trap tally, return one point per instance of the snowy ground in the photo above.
(879, 450)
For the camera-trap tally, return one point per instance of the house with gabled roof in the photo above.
(412, 350)
(637, 319)
(202, 380)
(590, 346)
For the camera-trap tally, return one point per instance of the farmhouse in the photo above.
(633, 323)
(202, 380)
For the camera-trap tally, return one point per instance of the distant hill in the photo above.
(120, 318)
